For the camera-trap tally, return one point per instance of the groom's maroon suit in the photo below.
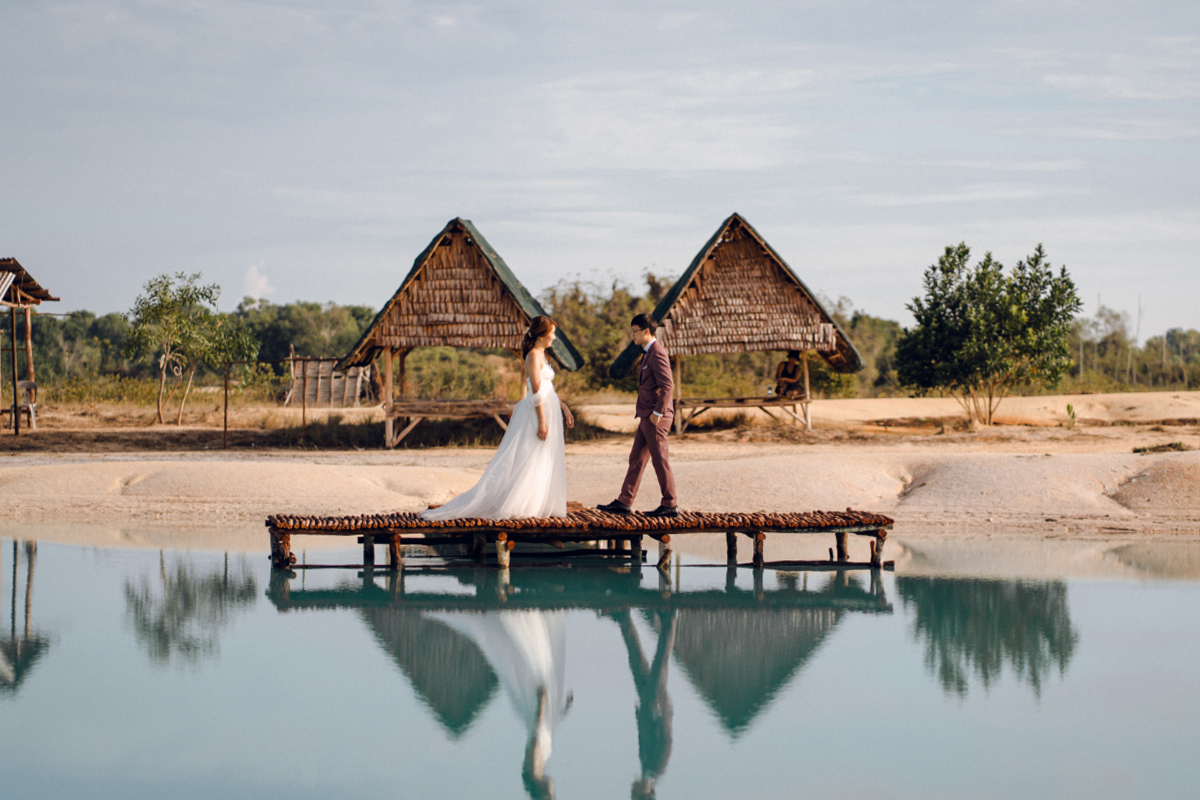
(655, 389)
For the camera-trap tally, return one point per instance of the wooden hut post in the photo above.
(387, 396)
(400, 375)
(678, 389)
(16, 417)
(807, 395)
(29, 346)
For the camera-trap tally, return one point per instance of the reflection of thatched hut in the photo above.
(737, 296)
(758, 653)
(19, 652)
(459, 293)
(448, 670)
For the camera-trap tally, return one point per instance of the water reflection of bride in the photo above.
(527, 649)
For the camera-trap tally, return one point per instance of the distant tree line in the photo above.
(81, 350)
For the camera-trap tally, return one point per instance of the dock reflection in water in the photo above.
(705, 682)
(738, 647)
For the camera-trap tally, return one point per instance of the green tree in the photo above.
(980, 332)
(176, 323)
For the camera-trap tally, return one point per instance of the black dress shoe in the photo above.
(616, 507)
(663, 511)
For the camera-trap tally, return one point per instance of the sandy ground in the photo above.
(1035, 482)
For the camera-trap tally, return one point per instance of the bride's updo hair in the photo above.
(539, 326)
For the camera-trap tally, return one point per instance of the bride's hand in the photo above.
(568, 416)
(543, 430)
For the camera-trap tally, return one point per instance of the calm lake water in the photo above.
(129, 674)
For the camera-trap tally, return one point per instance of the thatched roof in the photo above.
(448, 671)
(459, 293)
(756, 655)
(21, 289)
(739, 295)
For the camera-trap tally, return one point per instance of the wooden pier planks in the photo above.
(591, 521)
(623, 532)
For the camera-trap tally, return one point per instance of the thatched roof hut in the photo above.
(18, 288)
(459, 293)
(760, 651)
(739, 295)
(448, 671)
(19, 291)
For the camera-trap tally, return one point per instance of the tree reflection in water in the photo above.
(976, 626)
(183, 617)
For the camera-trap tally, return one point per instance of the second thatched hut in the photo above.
(739, 295)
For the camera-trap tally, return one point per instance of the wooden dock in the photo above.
(603, 589)
(589, 532)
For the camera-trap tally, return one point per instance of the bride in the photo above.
(528, 475)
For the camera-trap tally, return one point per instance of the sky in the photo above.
(310, 150)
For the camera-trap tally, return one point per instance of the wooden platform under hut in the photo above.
(584, 530)
(459, 293)
(20, 293)
(738, 296)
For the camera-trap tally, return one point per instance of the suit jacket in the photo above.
(656, 385)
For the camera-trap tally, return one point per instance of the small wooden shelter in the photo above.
(459, 293)
(739, 295)
(20, 292)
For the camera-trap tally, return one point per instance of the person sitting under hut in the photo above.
(788, 376)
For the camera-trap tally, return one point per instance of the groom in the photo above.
(654, 412)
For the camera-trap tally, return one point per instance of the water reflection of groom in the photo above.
(654, 710)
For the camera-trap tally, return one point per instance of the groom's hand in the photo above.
(656, 417)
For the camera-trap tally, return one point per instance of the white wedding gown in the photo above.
(527, 477)
(528, 651)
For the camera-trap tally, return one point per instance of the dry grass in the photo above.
(113, 426)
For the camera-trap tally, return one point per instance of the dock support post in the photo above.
(368, 543)
(759, 538)
(759, 594)
(664, 555)
(504, 549)
(637, 550)
(478, 546)
(395, 559)
(281, 550)
(842, 553)
(877, 549)
(731, 548)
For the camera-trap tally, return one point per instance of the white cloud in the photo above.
(255, 284)
(1163, 68)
